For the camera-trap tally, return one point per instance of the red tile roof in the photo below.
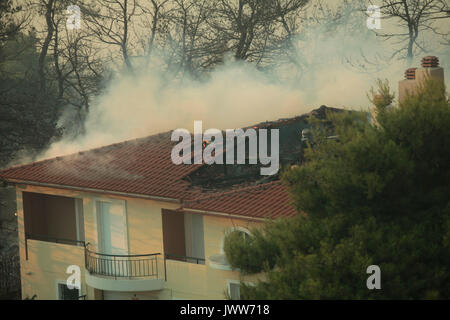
(144, 167)
(268, 200)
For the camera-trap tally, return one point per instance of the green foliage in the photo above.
(377, 196)
(381, 97)
(28, 116)
(248, 252)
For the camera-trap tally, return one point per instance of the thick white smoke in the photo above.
(337, 71)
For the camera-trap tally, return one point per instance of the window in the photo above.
(65, 293)
(234, 290)
(183, 236)
(244, 233)
(193, 226)
(53, 218)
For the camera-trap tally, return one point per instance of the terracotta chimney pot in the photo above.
(410, 74)
(430, 62)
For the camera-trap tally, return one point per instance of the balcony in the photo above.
(124, 272)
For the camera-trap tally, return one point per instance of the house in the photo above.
(129, 224)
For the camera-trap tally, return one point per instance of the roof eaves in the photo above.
(111, 192)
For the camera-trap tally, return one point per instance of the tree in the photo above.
(68, 61)
(28, 116)
(111, 23)
(42, 74)
(416, 16)
(248, 27)
(9, 26)
(377, 196)
(191, 30)
(77, 70)
(154, 19)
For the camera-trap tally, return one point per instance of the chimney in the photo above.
(410, 74)
(430, 69)
(415, 76)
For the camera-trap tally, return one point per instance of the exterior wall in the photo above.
(406, 87)
(46, 267)
(47, 262)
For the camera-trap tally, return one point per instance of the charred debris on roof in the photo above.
(293, 134)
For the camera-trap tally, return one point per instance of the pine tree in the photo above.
(379, 195)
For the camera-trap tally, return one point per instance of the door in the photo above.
(112, 237)
(111, 223)
(173, 234)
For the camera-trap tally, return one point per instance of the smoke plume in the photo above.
(335, 67)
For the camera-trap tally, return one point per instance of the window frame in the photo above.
(233, 282)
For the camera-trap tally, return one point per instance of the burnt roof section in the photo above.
(144, 167)
(228, 176)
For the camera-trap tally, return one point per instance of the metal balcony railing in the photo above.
(122, 266)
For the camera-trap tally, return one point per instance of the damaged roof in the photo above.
(143, 167)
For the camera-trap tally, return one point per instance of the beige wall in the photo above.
(46, 267)
(47, 262)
